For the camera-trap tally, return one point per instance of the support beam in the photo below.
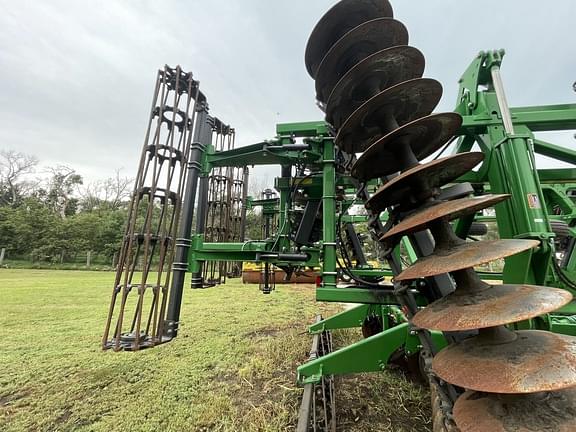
(346, 319)
(369, 355)
(554, 151)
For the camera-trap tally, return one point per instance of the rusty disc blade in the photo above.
(494, 306)
(339, 20)
(465, 256)
(424, 136)
(535, 361)
(448, 210)
(375, 73)
(415, 186)
(401, 103)
(547, 411)
(359, 43)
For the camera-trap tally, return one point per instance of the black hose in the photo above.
(560, 273)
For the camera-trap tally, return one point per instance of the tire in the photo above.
(560, 228)
(478, 229)
(371, 326)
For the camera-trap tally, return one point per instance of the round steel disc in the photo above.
(407, 187)
(536, 361)
(465, 256)
(448, 210)
(547, 411)
(359, 43)
(424, 136)
(340, 19)
(497, 305)
(375, 73)
(405, 102)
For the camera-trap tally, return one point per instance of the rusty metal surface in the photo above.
(382, 70)
(535, 361)
(424, 136)
(547, 411)
(493, 306)
(448, 210)
(465, 256)
(415, 185)
(144, 274)
(339, 20)
(255, 277)
(359, 43)
(395, 106)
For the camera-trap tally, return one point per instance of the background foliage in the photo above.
(53, 218)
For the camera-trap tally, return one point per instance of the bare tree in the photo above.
(13, 167)
(117, 189)
(111, 192)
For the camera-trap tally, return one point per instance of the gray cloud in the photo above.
(77, 76)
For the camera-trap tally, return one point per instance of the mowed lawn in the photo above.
(232, 368)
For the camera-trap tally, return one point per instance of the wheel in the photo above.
(478, 229)
(372, 325)
(560, 228)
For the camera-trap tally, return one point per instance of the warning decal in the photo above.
(533, 201)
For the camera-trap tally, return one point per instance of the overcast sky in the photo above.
(77, 76)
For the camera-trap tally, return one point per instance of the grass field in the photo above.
(232, 368)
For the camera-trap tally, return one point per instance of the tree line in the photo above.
(54, 216)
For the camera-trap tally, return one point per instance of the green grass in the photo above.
(232, 368)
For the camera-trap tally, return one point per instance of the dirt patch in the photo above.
(10, 398)
(265, 332)
(387, 400)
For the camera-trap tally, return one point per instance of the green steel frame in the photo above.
(509, 167)
(506, 136)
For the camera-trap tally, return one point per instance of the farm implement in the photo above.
(457, 251)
